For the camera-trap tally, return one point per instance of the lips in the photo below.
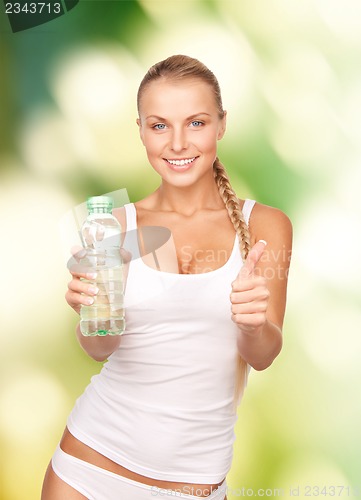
(179, 165)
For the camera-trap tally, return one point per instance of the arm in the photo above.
(98, 348)
(82, 293)
(259, 292)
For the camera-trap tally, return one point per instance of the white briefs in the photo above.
(96, 483)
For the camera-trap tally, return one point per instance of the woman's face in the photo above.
(179, 126)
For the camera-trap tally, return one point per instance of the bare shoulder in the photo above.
(270, 224)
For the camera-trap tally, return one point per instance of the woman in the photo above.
(159, 418)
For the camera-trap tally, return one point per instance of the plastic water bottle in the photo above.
(101, 235)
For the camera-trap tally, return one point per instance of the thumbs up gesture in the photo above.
(250, 295)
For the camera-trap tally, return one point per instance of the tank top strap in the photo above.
(247, 209)
(131, 216)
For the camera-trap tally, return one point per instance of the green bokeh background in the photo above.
(291, 83)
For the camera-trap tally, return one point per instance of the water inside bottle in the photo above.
(106, 315)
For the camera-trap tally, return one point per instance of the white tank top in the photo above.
(162, 404)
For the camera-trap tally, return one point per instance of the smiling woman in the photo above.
(160, 416)
(177, 139)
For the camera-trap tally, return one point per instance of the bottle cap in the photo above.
(100, 202)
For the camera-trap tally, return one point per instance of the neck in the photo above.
(190, 199)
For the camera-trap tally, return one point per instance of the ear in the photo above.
(140, 129)
(222, 127)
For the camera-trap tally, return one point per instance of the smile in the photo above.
(180, 163)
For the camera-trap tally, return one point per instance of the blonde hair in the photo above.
(180, 67)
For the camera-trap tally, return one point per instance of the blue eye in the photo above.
(159, 126)
(196, 123)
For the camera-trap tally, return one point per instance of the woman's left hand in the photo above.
(250, 294)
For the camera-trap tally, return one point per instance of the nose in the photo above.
(179, 140)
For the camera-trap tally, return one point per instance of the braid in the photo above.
(232, 205)
(231, 202)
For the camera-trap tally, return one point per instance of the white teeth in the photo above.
(180, 163)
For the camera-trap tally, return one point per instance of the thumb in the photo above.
(126, 256)
(253, 257)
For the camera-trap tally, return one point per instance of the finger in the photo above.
(87, 238)
(82, 263)
(94, 232)
(253, 257)
(250, 283)
(248, 295)
(126, 256)
(75, 300)
(254, 320)
(85, 276)
(250, 308)
(78, 252)
(85, 287)
(99, 232)
(82, 269)
(88, 234)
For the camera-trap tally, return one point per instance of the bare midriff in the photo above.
(76, 448)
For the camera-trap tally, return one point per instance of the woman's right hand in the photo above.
(82, 287)
(80, 292)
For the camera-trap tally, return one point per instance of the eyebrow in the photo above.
(159, 118)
